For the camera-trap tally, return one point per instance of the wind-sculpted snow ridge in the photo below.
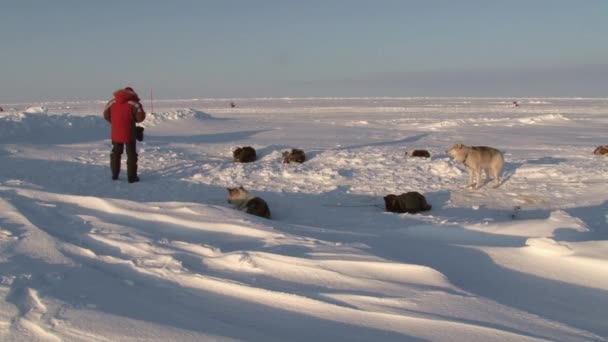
(153, 119)
(544, 118)
(487, 120)
(87, 258)
(47, 128)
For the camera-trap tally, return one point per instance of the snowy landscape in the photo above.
(85, 258)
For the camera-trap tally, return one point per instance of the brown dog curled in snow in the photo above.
(295, 156)
(244, 201)
(601, 150)
(410, 202)
(244, 154)
(420, 153)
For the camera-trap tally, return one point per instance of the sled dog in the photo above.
(244, 154)
(411, 202)
(244, 201)
(476, 159)
(295, 156)
(420, 153)
(601, 150)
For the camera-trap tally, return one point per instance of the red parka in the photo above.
(123, 112)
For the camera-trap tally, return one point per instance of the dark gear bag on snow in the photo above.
(139, 133)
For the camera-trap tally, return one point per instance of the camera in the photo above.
(139, 133)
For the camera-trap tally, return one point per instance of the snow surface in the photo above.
(84, 258)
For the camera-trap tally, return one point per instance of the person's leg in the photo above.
(132, 162)
(117, 149)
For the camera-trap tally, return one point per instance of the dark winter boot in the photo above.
(132, 171)
(115, 165)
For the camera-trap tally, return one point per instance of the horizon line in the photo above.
(512, 98)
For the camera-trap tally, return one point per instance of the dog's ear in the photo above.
(389, 202)
(458, 146)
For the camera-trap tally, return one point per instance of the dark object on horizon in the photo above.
(1, 109)
(244, 154)
(411, 202)
(420, 153)
(232, 105)
(139, 133)
(601, 150)
(295, 156)
(515, 103)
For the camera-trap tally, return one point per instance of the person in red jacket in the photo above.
(123, 111)
(134, 98)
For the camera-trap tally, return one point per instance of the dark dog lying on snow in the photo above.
(419, 153)
(601, 150)
(295, 156)
(411, 202)
(248, 203)
(244, 154)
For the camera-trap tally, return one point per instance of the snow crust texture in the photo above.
(85, 258)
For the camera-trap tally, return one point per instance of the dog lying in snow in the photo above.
(248, 203)
(244, 154)
(601, 150)
(411, 202)
(477, 158)
(295, 156)
(420, 153)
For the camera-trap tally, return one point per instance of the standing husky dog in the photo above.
(477, 158)
(246, 202)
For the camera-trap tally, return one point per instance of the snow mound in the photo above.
(58, 129)
(549, 246)
(539, 228)
(443, 124)
(543, 118)
(11, 116)
(37, 110)
(153, 119)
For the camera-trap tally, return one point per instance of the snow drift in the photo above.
(85, 258)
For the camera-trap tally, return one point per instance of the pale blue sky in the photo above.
(84, 49)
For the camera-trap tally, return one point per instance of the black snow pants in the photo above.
(117, 150)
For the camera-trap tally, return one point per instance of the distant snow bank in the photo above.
(554, 118)
(153, 119)
(37, 110)
(35, 125)
(38, 127)
(543, 118)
